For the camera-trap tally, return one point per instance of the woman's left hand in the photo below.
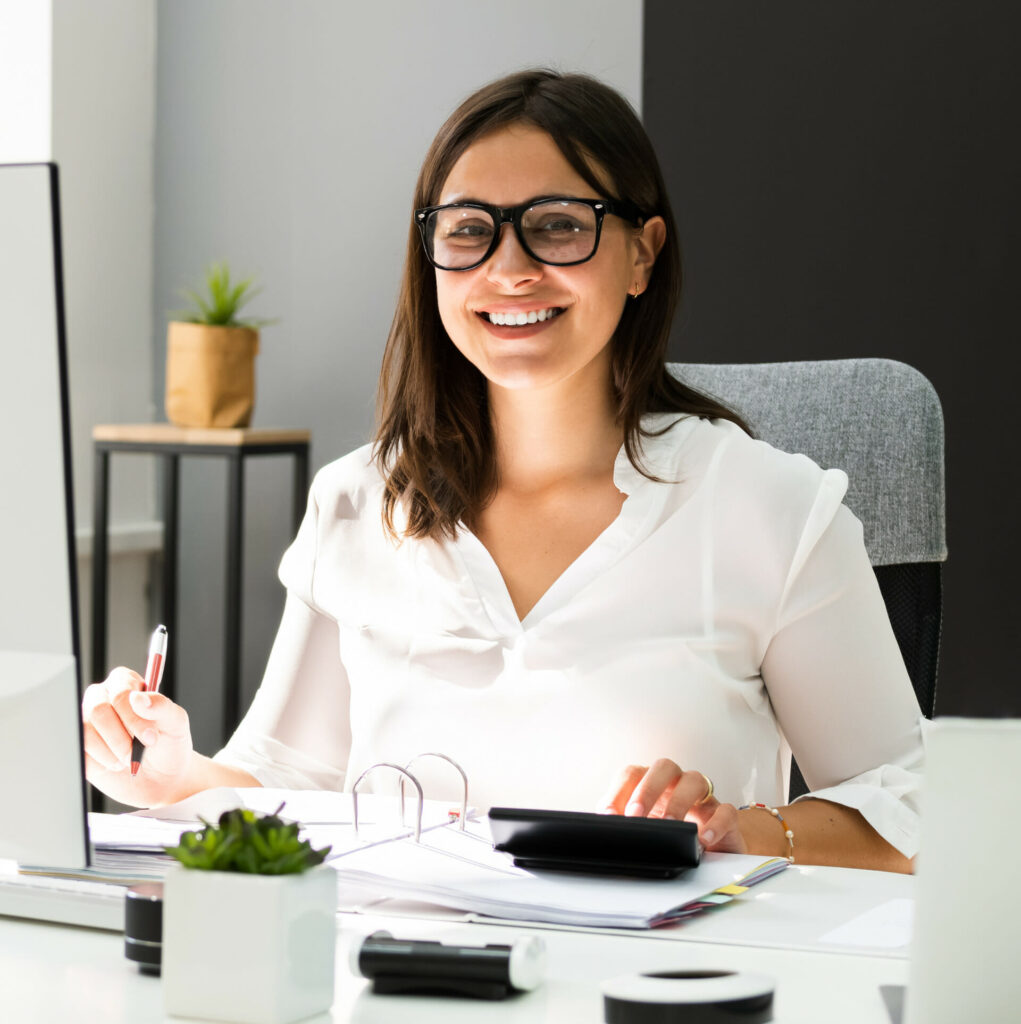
(665, 790)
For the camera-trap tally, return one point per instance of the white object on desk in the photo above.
(967, 935)
(255, 949)
(887, 926)
(67, 900)
(41, 786)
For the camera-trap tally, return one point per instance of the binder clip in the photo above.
(420, 967)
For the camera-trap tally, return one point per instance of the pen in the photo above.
(153, 675)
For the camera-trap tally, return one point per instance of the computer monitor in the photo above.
(42, 782)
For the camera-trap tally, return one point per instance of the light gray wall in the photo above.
(103, 111)
(77, 86)
(288, 138)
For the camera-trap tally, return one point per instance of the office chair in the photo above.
(880, 421)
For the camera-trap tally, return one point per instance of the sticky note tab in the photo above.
(732, 890)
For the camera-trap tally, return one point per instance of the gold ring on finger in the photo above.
(709, 790)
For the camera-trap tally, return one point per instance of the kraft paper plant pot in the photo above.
(210, 375)
(257, 949)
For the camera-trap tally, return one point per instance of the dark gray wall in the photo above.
(845, 176)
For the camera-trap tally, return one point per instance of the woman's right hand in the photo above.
(114, 712)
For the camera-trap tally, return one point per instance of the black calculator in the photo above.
(605, 844)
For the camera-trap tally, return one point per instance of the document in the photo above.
(130, 847)
(309, 806)
(449, 866)
(327, 819)
(887, 926)
(461, 870)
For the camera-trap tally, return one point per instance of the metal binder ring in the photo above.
(464, 779)
(403, 771)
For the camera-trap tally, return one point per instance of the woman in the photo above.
(557, 564)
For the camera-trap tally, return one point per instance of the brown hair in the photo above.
(434, 441)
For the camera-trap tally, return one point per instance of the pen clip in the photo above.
(157, 659)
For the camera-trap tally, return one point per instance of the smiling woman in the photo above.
(558, 564)
(496, 157)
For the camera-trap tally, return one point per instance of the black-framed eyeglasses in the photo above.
(558, 230)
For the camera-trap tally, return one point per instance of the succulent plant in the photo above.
(247, 842)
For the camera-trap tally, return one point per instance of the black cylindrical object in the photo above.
(143, 926)
(416, 966)
(688, 997)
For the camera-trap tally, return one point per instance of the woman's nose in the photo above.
(510, 265)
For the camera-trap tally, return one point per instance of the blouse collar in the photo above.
(659, 453)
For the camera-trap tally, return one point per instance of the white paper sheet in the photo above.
(887, 926)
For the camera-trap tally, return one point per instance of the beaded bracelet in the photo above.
(779, 817)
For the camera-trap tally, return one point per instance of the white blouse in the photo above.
(727, 612)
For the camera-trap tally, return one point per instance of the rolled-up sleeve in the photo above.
(837, 680)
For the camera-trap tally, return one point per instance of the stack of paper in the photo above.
(132, 844)
(450, 867)
(461, 870)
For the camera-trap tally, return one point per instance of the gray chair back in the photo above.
(878, 420)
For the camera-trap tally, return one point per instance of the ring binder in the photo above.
(404, 772)
(464, 779)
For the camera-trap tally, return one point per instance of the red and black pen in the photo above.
(153, 675)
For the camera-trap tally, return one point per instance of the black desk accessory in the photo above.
(143, 926)
(606, 844)
(688, 997)
(419, 967)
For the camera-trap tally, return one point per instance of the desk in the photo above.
(170, 443)
(51, 973)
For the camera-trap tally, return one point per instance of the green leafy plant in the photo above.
(220, 305)
(246, 842)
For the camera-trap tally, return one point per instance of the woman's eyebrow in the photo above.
(458, 199)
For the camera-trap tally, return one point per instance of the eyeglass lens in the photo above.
(554, 232)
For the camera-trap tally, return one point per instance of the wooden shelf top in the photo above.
(167, 433)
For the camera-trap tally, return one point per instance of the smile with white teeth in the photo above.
(520, 319)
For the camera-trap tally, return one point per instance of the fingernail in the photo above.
(708, 836)
(635, 809)
(149, 737)
(140, 700)
(608, 810)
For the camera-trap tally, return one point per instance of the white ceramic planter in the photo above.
(257, 949)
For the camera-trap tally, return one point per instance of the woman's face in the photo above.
(506, 168)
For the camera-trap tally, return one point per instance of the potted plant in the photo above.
(211, 354)
(249, 927)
